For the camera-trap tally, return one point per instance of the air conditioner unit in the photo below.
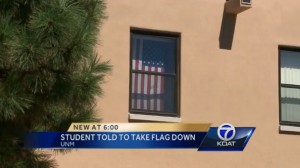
(237, 6)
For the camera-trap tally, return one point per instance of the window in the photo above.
(154, 73)
(289, 86)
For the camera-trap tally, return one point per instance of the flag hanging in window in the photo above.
(148, 83)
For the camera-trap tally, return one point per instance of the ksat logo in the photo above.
(226, 132)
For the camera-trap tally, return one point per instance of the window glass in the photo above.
(290, 86)
(154, 77)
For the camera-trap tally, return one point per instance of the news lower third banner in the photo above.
(201, 136)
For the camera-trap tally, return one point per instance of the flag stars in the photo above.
(152, 63)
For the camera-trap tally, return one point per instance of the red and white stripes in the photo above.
(147, 89)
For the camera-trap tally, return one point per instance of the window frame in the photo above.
(280, 85)
(165, 34)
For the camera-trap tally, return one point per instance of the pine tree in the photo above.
(49, 72)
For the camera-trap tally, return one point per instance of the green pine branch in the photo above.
(50, 74)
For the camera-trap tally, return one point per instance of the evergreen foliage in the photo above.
(49, 72)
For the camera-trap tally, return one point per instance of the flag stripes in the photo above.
(147, 89)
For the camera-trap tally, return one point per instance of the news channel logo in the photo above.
(226, 132)
(226, 137)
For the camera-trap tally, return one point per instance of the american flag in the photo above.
(147, 89)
